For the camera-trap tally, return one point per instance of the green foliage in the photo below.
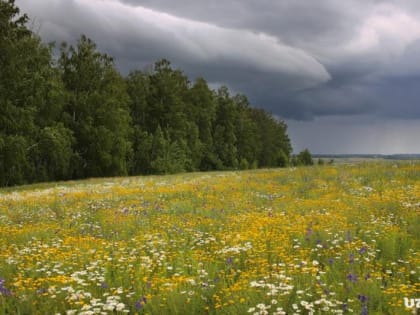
(243, 164)
(142, 148)
(165, 100)
(31, 98)
(53, 153)
(96, 110)
(13, 159)
(77, 117)
(224, 136)
(275, 144)
(202, 109)
(247, 132)
(168, 156)
(203, 129)
(303, 158)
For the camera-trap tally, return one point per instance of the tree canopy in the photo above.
(75, 116)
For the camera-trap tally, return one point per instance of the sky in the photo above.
(343, 75)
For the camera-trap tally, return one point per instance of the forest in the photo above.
(68, 113)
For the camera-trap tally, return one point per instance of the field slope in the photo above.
(321, 240)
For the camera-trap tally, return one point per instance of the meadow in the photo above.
(336, 239)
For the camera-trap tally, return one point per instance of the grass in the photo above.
(316, 240)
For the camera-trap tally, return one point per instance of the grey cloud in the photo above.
(155, 34)
(300, 59)
(406, 65)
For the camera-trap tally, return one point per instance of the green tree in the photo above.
(201, 110)
(305, 158)
(142, 152)
(53, 153)
(166, 105)
(247, 134)
(80, 118)
(168, 110)
(31, 99)
(13, 159)
(159, 101)
(275, 144)
(97, 110)
(168, 157)
(224, 136)
(138, 88)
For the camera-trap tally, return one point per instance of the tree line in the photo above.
(76, 116)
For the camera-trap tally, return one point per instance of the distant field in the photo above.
(354, 160)
(368, 158)
(336, 239)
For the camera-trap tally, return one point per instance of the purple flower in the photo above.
(363, 250)
(352, 277)
(138, 305)
(229, 261)
(140, 302)
(330, 261)
(3, 290)
(365, 310)
(362, 298)
(351, 258)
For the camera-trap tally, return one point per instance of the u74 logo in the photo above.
(411, 303)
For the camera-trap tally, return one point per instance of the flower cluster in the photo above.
(321, 240)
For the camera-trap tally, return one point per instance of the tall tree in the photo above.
(201, 110)
(248, 141)
(30, 100)
(168, 109)
(275, 144)
(138, 87)
(224, 136)
(96, 110)
(166, 105)
(167, 156)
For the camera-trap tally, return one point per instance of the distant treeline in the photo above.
(76, 116)
(407, 156)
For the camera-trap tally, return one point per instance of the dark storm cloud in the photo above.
(300, 59)
(138, 35)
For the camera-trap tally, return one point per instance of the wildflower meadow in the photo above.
(333, 239)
